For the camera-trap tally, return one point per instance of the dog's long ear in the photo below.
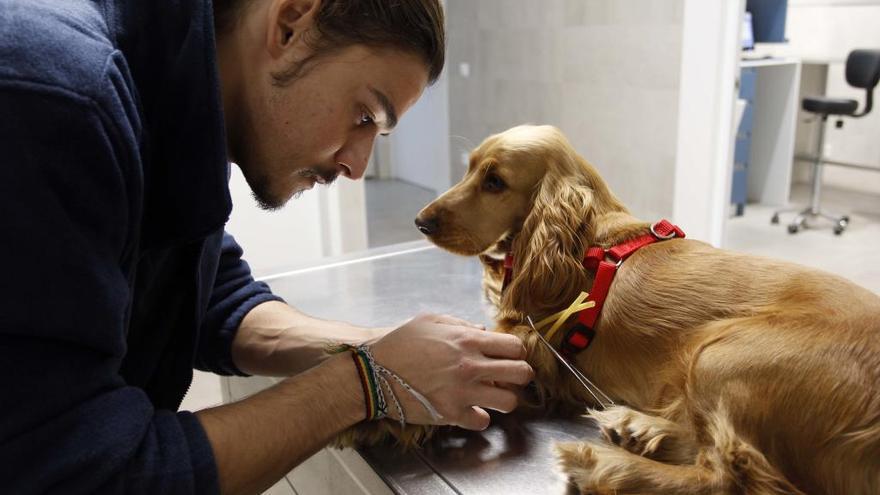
(549, 248)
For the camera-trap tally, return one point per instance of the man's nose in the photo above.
(356, 156)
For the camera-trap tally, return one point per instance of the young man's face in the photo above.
(321, 124)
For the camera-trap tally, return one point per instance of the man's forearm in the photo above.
(258, 440)
(277, 340)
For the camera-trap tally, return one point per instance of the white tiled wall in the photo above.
(605, 71)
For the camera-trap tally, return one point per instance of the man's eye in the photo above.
(366, 118)
(493, 183)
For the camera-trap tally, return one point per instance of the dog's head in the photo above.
(526, 191)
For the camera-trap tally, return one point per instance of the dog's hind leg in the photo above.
(598, 468)
(728, 466)
(646, 435)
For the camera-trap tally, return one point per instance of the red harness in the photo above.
(581, 335)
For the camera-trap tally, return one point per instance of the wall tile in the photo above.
(605, 71)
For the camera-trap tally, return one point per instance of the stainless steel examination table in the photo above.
(383, 287)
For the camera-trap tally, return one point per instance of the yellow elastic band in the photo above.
(562, 316)
(550, 319)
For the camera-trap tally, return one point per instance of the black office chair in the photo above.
(862, 71)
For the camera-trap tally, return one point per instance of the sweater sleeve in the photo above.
(235, 293)
(68, 421)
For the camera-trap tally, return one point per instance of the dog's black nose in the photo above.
(427, 226)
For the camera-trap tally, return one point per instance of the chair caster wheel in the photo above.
(839, 228)
(793, 229)
(845, 220)
(774, 219)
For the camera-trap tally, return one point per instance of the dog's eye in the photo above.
(493, 183)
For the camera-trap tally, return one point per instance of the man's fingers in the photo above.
(495, 398)
(505, 371)
(474, 418)
(502, 345)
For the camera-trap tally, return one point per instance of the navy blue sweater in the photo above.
(117, 277)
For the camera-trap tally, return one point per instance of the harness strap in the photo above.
(508, 271)
(596, 259)
(582, 334)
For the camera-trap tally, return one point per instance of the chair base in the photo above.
(839, 222)
(814, 211)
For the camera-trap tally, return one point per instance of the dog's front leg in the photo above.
(650, 436)
(376, 432)
(553, 387)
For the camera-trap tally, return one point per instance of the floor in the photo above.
(392, 206)
(853, 254)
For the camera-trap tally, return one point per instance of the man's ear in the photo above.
(288, 21)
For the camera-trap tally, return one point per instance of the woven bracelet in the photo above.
(378, 390)
(374, 400)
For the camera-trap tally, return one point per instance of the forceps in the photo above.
(600, 396)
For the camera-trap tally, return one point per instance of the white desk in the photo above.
(773, 129)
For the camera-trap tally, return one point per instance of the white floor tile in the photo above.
(853, 255)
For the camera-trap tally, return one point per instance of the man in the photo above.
(119, 120)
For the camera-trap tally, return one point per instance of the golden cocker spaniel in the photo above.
(739, 374)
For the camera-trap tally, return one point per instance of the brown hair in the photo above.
(416, 26)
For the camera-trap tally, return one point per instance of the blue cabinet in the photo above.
(739, 190)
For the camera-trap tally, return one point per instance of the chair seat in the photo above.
(830, 106)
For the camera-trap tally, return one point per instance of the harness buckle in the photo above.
(577, 339)
(670, 235)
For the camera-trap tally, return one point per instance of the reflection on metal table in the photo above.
(383, 287)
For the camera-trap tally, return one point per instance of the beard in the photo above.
(269, 199)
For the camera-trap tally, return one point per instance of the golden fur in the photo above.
(740, 374)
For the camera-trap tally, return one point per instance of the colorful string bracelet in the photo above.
(374, 381)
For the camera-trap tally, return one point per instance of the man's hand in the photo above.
(458, 366)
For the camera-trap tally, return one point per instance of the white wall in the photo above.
(604, 71)
(829, 29)
(321, 222)
(419, 151)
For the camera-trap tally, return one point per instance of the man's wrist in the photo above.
(338, 376)
(260, 438)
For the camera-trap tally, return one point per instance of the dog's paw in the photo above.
(580, 461)
(375, 432)
(631, 430)
(649, 436)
